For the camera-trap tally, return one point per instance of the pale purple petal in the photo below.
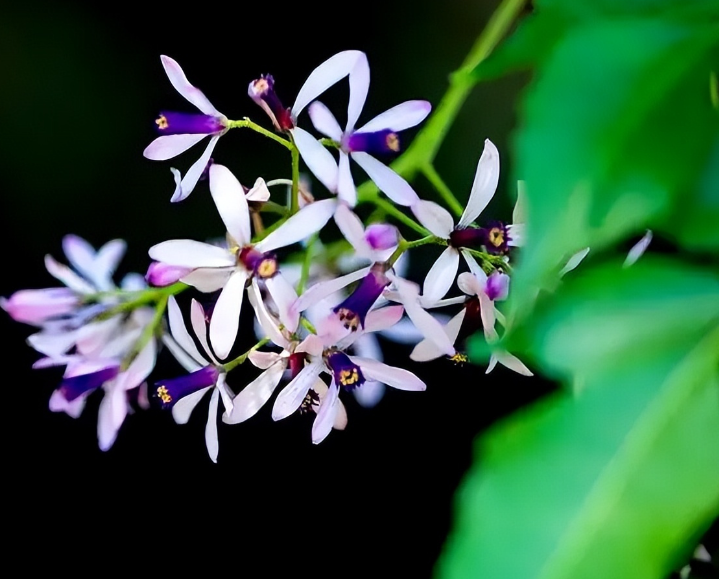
(168, 146)
(638, 249)
(346, 190)
(392, 376)
(52, 345)
(284, 295)
(441, 275)
(211, 441)
(381, 319)
(351, 227)
(110, 415)
(324, 121)
(322, 289)
(179, 331)
(190, 253)
(300, 226)
(63, 273)
(403, 332)
(359, 86)
(183, 408)
(394, 186)
(400, 117)
(434, 217)
(254, 396)
(294, 393)
(182, 85)
(324, 76)
(226, 315)
(194, 172)
(471, 284)
(161, 274)
(317, 158)
(106, 261)
(58, 403)
(229, 197)
(208, 279)
(322, 425)
(497, 286)
(484, 185)
(311, 345)
(36, 306)
(264, 360)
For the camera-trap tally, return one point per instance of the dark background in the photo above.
(81, 86)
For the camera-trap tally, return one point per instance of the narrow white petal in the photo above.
(308, 220)
(403, 332)
(140, 368)
(324, 76)
(284, 296)
(430, 327)
(425, 351)
(511, 362)
(213, 445)
(79, 253)
(324, 121)
(190, 253)
(268, 323)
(389, 182)
(108, 257)
(226, 315)
(229, 197)
(294, 393)
(322, 425)
(455, 324)
(486, 311)
(359, 86)
(340, 422)
(346, 190)
(638, 249)
(484, 185)
(110, 415)
(322, 289)
(517, 234)
(183, 408)
(392, 376)
(351, 227)
(317, 158)
(208, 279)
(259, 191)
(179, 331)
(400, 117)
(519, 215)
(198, 319)
(471, 284)
(474, 267)
(168, 146)
(182, 85)
(254, 396)
(311, 344)
(381, 319)
(184, 359)
(194, 172)
(226, 394)
(441, 275)
(434, 217)
(64, 274)
(574, 261)
(264, 360)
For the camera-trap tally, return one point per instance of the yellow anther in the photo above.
(161, 122)
(267, 268)
(392, 142)
(460, 358)
(349, 377)
(349, 319)
(496, 236)
(164, 395)
(261, 85)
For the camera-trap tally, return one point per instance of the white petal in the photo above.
(311, 345)
(425, 351)
(511, 362)
(198, 319)
(471, 284)
(168, 146)
(284, 296)
(340, 422)
(517, 234)
(226, 394)
(317, 158)
(226, 315)
(64, 274)
(229, 197)
(403, 332)
(430, 327)
(213, 445)
(109, 256)
(484, 185)
(346, 190)
(322, 425)
(574, 261)
(381, 319)
(322, 289)
(441, 275)
(184, 406)
(324, 76)
(140, 368)
(474, 267)
(359, 85)
(455, 324)
(259, 191)
(519, 215)
(182, 85)
(434, 217)
(400, 117)
(179, 331)
(394, 186)
(254, 396)
(268, 323)
(308, 220)
(110, 415)
(294, 393)
(351, 227)
(638, 249)
(185, 360)
(190, 253)
(392, 376)
(208, 279)
(264, 360)
(324, 121)
(486, 311)
(369, 394)
(194, 172)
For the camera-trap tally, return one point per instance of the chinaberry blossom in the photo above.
(180, 131)
(374, 243)
(230, 268)
(183, 393)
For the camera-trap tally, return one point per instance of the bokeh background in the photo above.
(81, 85)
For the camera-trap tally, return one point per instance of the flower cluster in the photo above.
(319, 303)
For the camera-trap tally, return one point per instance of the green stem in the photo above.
(390, 209)
(242, 357)
(431, 173)
(295, 196)
(490, 262)
(405, 245)
(143, 297)
(248, 124)
(428, 141)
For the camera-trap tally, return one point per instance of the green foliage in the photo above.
(617, 475)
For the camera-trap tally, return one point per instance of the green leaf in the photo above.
(619, 479)
(618, 126)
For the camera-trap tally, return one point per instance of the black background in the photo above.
(81, 86)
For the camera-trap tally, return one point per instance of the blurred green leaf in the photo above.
(618, 480)
(618, 126)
